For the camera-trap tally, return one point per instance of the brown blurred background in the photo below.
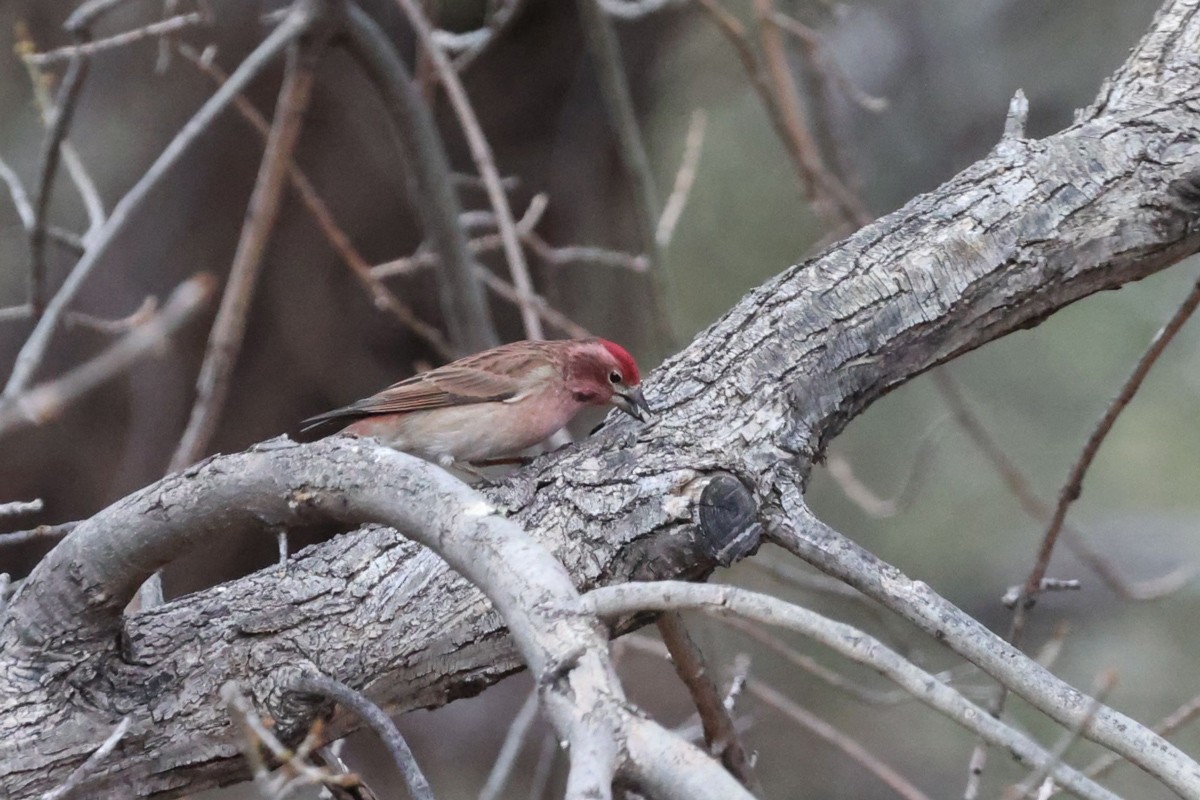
(946, 69)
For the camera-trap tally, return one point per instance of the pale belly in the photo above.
(468, 433)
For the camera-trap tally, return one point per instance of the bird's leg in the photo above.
(449, 464)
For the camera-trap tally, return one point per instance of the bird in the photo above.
(493, 404)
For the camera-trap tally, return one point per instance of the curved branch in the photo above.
(73, 599)
(631, 598)
(431, 190)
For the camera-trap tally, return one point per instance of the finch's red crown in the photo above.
(629, 369)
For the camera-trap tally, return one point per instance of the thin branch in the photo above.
(431, 190)
(635, 9)
(48, 400)
(720, 734)
(1022, 489)
(92, 763)
(873, 505)
(56, 132)
(605, 50)
(229, 329)
(49, 532)
(832, 677)
(382, 297)
(90, 48)
(20, 508)
(811, 540)
(1168, 725)
(625, 599)
(1040, 776)
(831, 735)
(35, 346)
(314, 682)
(1074, 485)
(481, 153)
(294, 769)
(514, 739)
(813, 46)
(685, 178)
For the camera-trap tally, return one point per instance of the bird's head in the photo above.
(600, 372)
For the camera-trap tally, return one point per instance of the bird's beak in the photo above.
(632, 402)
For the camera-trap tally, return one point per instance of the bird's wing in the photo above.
(451, 385)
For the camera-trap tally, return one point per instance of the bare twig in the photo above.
(1074, 485)
(294, 769)
(35, 346)
(620, 600)
(229, 329)
(1022, 489)
(92, 763)
(685, 178)
(92, 203)
(311, 681)
(90, 48)
(1104, 685)
(46, 401)
(20, 508)
(798, 531)
(481, 153)
(431, 190)
(50, 532)
(839, 739)
(382, 297)
(720, 735)
(635, 9)
(1168, 725)
(497, 22)
(834, 678)
(56, 131)
(814, 50)
(872, 504)
(605, 51)
(543, 768)
(514, 740)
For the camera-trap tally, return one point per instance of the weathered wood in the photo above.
(1032, 227)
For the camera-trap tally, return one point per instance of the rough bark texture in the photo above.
(1031, 228)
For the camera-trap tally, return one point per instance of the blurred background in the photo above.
(910, 92)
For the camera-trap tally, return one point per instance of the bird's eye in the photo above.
(614, 377)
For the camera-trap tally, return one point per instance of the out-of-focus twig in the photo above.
(685, 178)
(46, 401)
(1074, 485)
(1039, 779)
(514, 740)
(311, 681)
(605, 51)
(20, 508)
(382, 297)
(835, 737)
(481, 153)
(229, 329)
(57, 125)
(34, 349)
(1022, 489)
(294, 770)
(431, 191)
(720, 735)
(49, 532)
(92, 763)
(90, 48)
